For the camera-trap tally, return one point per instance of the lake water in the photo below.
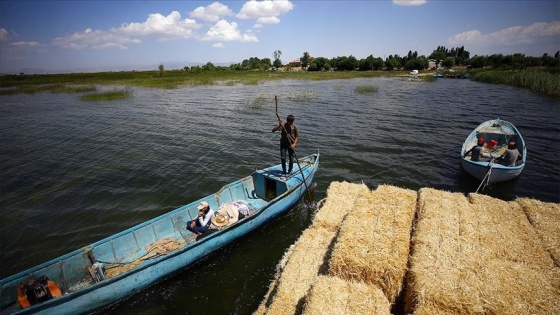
(74, 172)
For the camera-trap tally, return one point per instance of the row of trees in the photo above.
(442, 56)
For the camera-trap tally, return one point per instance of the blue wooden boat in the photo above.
(113, 268)
(497, 134)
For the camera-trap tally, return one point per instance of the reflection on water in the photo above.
(74, 172)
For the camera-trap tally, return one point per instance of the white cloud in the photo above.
(218, 45)
(409, 3)
(157, 25)
(266, 12)
(171, 26)
(6, 36)
(211, 13)
(27, 44)
(94, 39)
(510, 36)
(3, 35)
(225, 31)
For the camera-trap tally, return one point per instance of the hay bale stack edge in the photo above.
(397, 251)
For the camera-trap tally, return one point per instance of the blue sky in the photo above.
(63, 36)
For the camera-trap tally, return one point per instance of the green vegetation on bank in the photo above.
(52, 88)
(539, 74)
(540, 81)
(175, 78)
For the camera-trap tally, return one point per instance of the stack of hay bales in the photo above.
(478, 255)
(373, 244)
(467, 255)
(306, 258)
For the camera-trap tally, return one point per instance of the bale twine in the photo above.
(332, 295)
(305, 262)
(340, 200)
(373, 243)
(545, 218)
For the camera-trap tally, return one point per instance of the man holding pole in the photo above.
(288, 142)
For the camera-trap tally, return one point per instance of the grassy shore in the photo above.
(536, 80)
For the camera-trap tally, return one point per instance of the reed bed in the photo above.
(304, 264)
(478, 255)
(373, 243)
(535, 80)
(47, 88)
(340, 201)
(175, 78)
(366, 89)
(545, 218)
(107, 96)
(335, 296)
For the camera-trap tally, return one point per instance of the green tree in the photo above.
(304, 60)
(449, 62)
(277, 63)
(161, 69)
(208, 67)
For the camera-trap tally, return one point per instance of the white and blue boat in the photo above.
(497, 134)
(113, 268)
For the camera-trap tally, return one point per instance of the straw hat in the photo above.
(220, 219)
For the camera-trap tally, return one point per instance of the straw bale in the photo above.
(506, 233)
(545, 218)
(332, 295)
(435, 279)
(373, 243)
(304, 264)
(517, 288)
(478, 255)
(340, 200)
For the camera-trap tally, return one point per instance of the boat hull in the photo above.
(500, 132)
(67, 268)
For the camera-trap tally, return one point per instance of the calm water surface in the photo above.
(74, 172)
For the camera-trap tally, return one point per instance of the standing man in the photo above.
(288, 142)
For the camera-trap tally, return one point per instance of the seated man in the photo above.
(511, 155)
(477, 154)
(201, 223)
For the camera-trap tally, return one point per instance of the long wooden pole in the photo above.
(295, 155)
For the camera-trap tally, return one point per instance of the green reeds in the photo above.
(364, 89)
(47, 88)
(535, 80)
(259, 102)
(107, 96)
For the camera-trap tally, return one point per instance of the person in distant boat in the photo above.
(511, 155)
(201, 223)
(288, 142)
(476, 152)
